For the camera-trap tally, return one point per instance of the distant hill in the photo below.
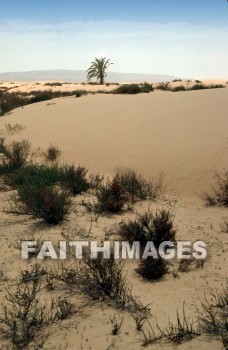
(79, 76)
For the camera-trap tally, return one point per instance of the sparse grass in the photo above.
(219, 194)
(181, 331)
(14, 129)
(214, 315)
(116, 324)
(52, 153)
(224, 226)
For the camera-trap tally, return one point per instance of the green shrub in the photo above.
(111, 196)
(15, 154)
(127, 89)
(163, 87)
(53, 84)
(179, 88)
(74, 179)
(39, 96)
(137, 186)
(52, 153)
(48, 203)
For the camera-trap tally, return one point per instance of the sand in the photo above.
(181, 135)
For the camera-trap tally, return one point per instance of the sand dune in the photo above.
(183, 135)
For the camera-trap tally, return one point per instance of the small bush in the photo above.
(163, 87)
(39, 96)
(47, 203)
(176, 80)
(156, 227)
(146, 87)
(198, 81)
(74, 179)
(214, 315)
(127, 89)
(53, 84)
(152, 269)
(111, 196)
(52, 153)
(179, 88)
(16, 153)
(24, 317)
(136, 186)
(79, 93)
(219, 194)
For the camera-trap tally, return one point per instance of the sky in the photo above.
(180, 38)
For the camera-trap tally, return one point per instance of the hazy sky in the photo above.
(181, 38)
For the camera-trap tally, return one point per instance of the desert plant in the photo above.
(181, 331)
(53, 84)
(224, 226)
(179, 88)
(152, 269)
(163, 86)
(23, 317)
(137, 186)
(74, 179)
(219, 194)
(47, 202)
(213, 315)
(52, 153)
(16, 153)
(116, 324)
(127, 89)
(156, 227)
(98, 69)
(111, 196)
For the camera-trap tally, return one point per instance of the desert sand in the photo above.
(182, 136)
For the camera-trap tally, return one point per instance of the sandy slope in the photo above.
(181, 134)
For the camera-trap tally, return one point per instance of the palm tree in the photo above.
(98, 69)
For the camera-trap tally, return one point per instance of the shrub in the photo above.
(146, 87)
(48, 203)
(16, 153)
(127, 89)
(52, 153)
(214, 317)
(220, 192)
(24, 318)
(163, 87)
(79, 93)
(179, 88)
(53, 84)
(176, 80)
(39, 96)
(152, 269)
(111, 196)
(137, 186)
(156, 227)
(74, 179)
